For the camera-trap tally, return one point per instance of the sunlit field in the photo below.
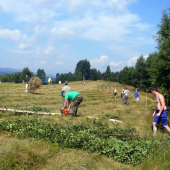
(23, 152)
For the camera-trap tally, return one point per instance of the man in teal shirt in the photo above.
(27, 88)
(74, 96)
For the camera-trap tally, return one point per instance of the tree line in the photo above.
(147, 72)
(20, 76)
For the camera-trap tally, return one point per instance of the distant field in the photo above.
(98, 103)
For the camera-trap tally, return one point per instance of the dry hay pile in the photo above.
(34, 83)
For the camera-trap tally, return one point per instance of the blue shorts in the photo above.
(162, 118)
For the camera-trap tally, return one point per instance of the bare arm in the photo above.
(65, 103)
(153, 115)
(162, 101)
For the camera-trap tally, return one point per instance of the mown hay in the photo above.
(34, 83)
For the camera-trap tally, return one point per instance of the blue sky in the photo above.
(55, 35)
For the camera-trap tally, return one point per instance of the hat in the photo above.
(62, 92)
(66, 83)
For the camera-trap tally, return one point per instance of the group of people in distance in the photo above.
(160, 113)
(125, 95)
(159, 116)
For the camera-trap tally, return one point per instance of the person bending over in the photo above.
(74, 96)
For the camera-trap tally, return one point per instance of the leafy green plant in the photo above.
(124, 145)
(109, 116)
(38, 108)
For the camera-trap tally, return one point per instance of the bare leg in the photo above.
(167, 128)
(155, 128)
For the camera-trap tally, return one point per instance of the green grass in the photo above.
(98, 103)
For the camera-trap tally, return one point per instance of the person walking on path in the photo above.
(66, 88)
(161, 113)
(136, 94)
(126, 96)
(27, 87)
(74, 96)
(115, 92)
(122, 94)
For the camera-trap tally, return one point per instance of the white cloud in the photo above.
(15, 35)
(146, 56)
(23, 46)
(132, 61)
(73, 5)
(43, 62)
(45, 51)
(104, 61)
(114, 64)
(119, 5)
(59, 63)
(99, 62)
(50, 50)
(25, 62)
(21, 51)
(92, 23)
(62, 33)
(38, 29)
(38, 50)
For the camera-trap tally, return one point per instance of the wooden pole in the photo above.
(146, 102)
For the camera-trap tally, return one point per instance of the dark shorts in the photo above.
(115, 94)
(162, 118)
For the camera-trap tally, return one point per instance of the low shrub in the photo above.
(124, 145)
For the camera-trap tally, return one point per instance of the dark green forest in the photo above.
(153, 71)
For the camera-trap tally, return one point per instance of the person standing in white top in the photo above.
(66, 88)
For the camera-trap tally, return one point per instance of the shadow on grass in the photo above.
(38, 93)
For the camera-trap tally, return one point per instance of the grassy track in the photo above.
(98, 103)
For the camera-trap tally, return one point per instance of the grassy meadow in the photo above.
(98, 103)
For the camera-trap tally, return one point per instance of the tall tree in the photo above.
(41, 74)
(17, 77)
(141, 72)
(78, 75)
(123, 75)
(107, 74)
(26, 71)
(99, 74)
(83, 66)
(161, 64)
(93, 74)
